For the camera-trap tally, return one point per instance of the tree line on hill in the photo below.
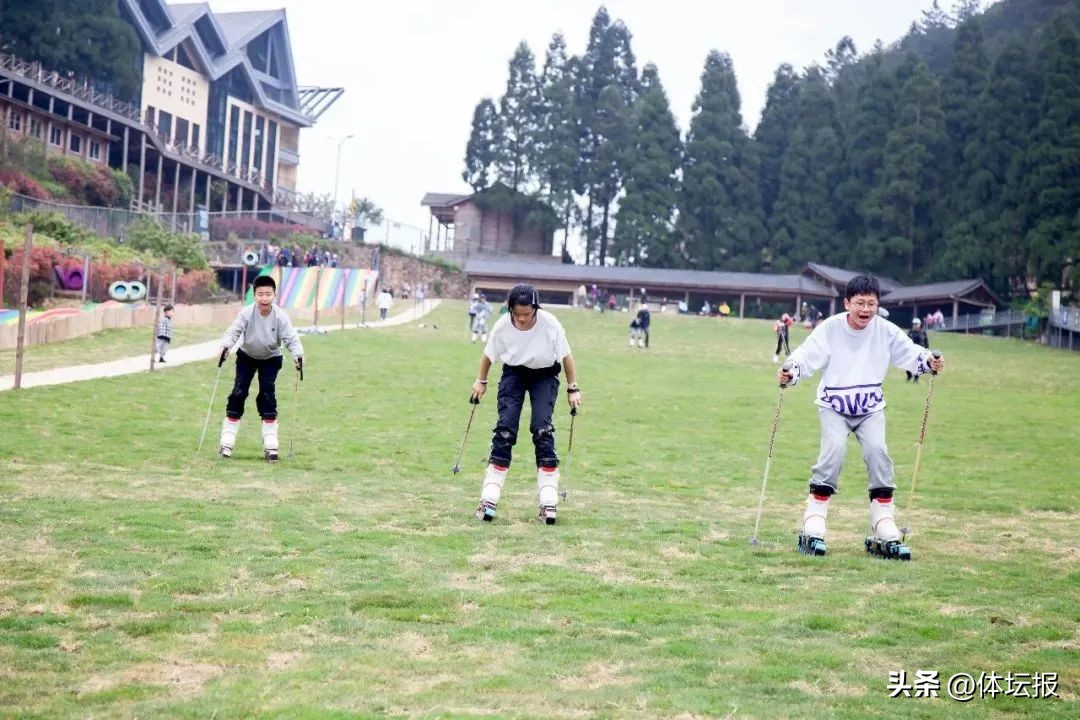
(952, 153)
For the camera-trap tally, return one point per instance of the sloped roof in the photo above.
(233, 31)
(239, 28)
(954, 289)
(841, 276)
(650, 277)
(432, 199)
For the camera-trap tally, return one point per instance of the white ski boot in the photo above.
(812, 538)
(490, 492)
(270, 440)
(229, 427)
(547, 493)
(887, 541)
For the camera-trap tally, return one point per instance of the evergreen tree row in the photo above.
(875, 161)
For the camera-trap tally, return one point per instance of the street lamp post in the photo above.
(337, 172)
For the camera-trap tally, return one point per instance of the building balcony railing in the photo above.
(84, 91)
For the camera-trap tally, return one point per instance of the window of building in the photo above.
(165, 125)
(182, 127)
(271, 152)
(75, 143)
(15, 121)
(151, 115)
(260, 136)
(95, 150)
(35, 127)
(56, 136)
(234, 134)
(195, 135)
(245, 144)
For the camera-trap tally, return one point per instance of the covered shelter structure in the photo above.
(558, 282)
(932, 296)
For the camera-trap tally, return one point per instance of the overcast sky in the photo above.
(413, 70)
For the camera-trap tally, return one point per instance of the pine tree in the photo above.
(773, 133)
(98, 43)
(1053, 156)
(613, 127)
(865, 155)
(480, 150)
(644, 225)
(515, 154)
(962, 95)
(558, 134)
(1009, 111)
(905, 203)
(720, 210)
(806, 209)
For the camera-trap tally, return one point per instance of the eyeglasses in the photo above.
(863, 305)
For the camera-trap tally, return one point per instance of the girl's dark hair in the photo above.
(523, 295)
(862, 285)
(265, 281)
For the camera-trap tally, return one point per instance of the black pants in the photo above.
(246, 369)
(782, 340)
(543, 389)
(645, 331)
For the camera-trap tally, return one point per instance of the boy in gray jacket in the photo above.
(264, 327)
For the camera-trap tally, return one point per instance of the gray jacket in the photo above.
(263, 336)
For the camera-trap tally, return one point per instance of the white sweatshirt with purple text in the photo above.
(853, 363)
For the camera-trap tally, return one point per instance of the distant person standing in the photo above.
(644, 318)
(384, 302)
(611, 302)
(781, 330)
(919, 337)
(164, 332)
(481, 313)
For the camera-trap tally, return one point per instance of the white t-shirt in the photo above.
(854, 362)
(384, 301)
(541, 346)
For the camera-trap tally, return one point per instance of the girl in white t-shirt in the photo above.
(532, 346)
(853, 351)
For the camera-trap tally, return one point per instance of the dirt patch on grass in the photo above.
(282, 660)
(830, 687)
(182, 677)
(594, 676)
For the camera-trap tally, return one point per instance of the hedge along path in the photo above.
(179, 356)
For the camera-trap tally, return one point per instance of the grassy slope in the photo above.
(135, 580)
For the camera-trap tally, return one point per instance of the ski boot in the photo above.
(888, 549)
(812, 537)
(485, 511)
(809, 545)
(886, 542)
(228, 436)
(270, 440)
(547, 492)
(491, 491)
(547, 514)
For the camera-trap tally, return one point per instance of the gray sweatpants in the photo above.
(870, 431)
(160, 346)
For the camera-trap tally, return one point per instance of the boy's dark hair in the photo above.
(264, 281)
(523, 295)
(862, 285)
(167, 308)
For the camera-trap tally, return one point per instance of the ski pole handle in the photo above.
(573, 411)
(224, 354)
(937, 356)
(473, 400)
(786, 368)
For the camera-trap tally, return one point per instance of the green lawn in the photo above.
(114, 344)
(139, 581)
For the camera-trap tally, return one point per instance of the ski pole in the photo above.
(922, 437)
(569, 449)
(457, 463)
(768, 460)
(217, 379)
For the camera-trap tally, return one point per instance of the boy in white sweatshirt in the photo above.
(264, 327)
(854, 350)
